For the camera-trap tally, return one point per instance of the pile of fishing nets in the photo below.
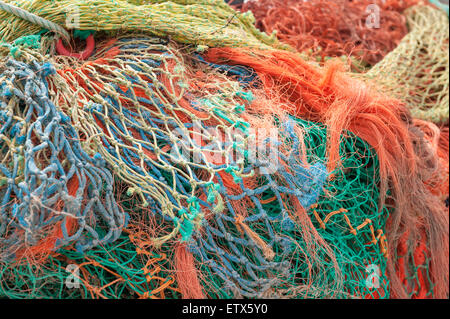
(173, 149)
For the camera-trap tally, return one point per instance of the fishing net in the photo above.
(364, 30)
(126, 268)
(346, 218)
(327, 96)
(414, 266)
(246, 225)
(134, 106)
(113, 271)
(417, 70)
(160, 170)
(53, 193)
(200, 23)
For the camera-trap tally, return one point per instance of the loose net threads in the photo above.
(364, 30)
(203, 22)
(417, 70)
(53, 192)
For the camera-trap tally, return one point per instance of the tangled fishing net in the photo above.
(52, 186)
(193, 157)
(417, 68)
(364, 30)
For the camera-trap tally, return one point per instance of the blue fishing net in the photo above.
(41, 154)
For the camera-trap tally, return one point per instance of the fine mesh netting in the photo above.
(53, 187)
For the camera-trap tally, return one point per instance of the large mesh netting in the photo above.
(52, 188)
(337, 214)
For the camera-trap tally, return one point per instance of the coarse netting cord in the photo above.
(55, 192)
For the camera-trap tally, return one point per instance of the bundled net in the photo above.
(113, 271)
(199, 23)
(417, 70)
(135, 107)
(365, 30)
(163, 122)
(340, 102)
(413, 266)
(162, 168)
(244, 224)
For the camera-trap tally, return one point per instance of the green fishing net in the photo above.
(349, 220)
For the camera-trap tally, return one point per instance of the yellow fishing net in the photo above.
(417, 71)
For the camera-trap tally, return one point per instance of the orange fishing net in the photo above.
(366, 29)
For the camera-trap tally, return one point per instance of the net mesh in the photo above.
(252, 229)
(53, 193)
(200, 23)
(417, 70)
(113, 271)
(364, 30)
(310, 93)
(353, 239)
(159, 174)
